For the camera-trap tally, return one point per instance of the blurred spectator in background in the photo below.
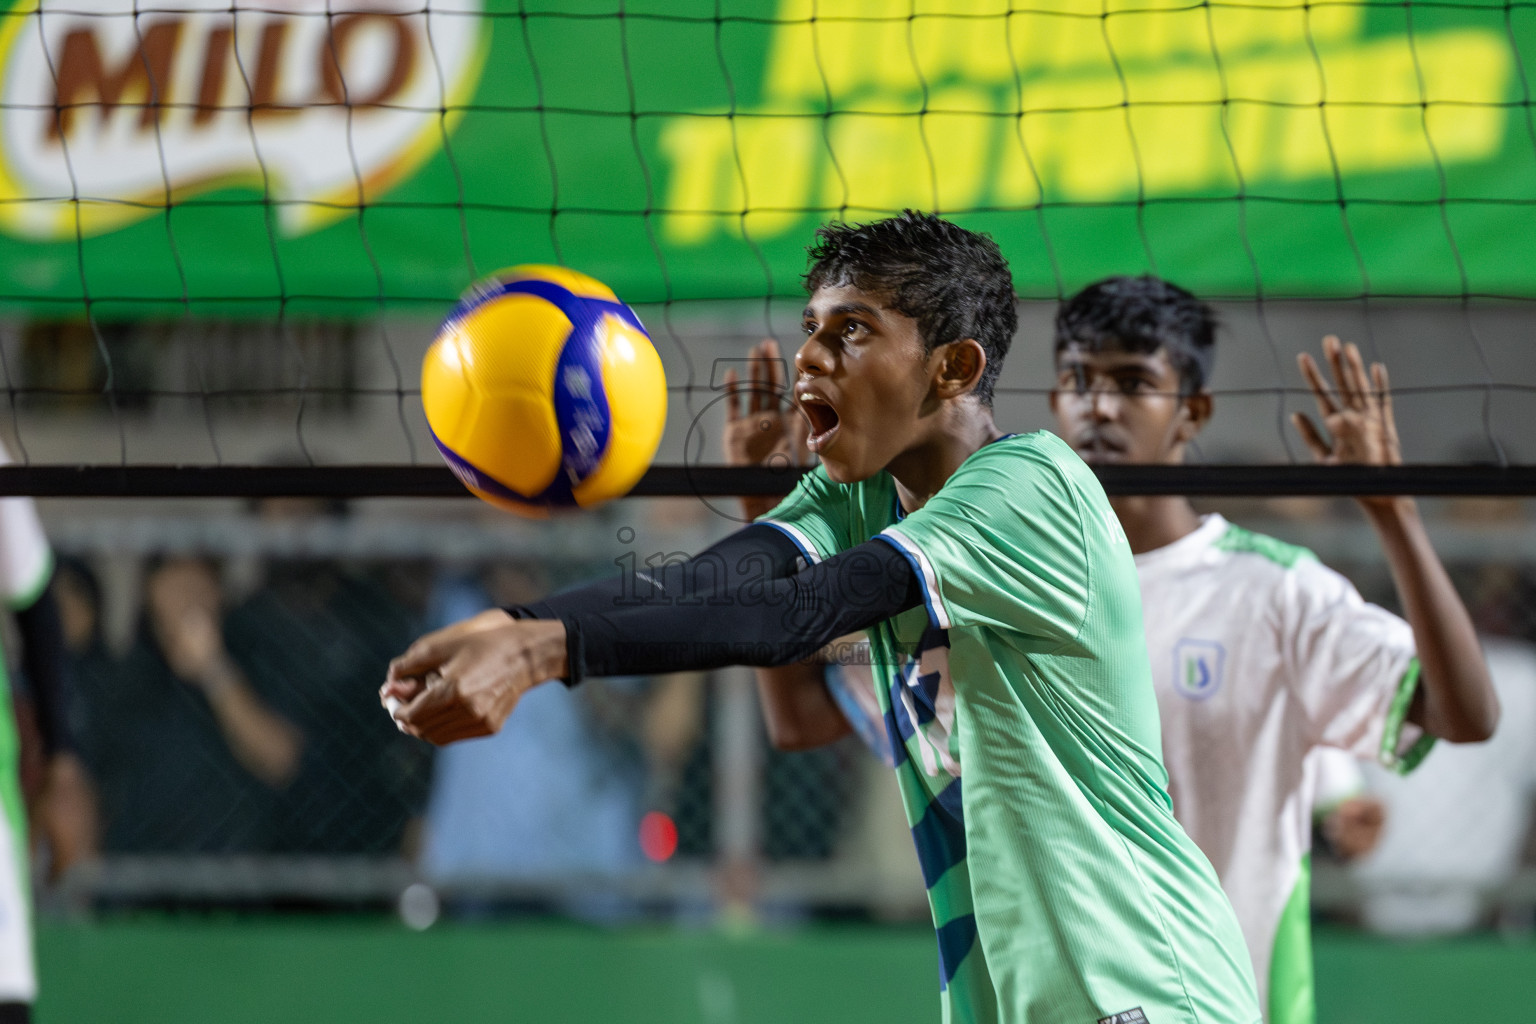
(1456, 828)
(316, 637)
(561, 789)
(189, 756)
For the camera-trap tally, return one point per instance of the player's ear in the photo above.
(1197, 413)
(961, 364)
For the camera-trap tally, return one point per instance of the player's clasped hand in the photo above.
(463, 681)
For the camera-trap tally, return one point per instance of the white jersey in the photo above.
(26, 560)
(1259, 655)
(26, 563)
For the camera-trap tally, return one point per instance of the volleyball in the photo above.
(542, 390)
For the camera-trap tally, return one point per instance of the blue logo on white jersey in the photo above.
(1197, 667)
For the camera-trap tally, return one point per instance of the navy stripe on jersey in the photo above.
(925, 687)
(893, 726)
(901, 721)
(940, 834)
(955, 940)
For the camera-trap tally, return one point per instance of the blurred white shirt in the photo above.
(1455, 827)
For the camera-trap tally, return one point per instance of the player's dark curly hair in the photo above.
(1142, 314)
(953, 282)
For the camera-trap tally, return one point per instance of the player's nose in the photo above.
(814, 358)
(1103, 405)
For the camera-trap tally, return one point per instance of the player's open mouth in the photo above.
(823, 418)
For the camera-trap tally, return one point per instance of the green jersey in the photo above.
(1019, 702)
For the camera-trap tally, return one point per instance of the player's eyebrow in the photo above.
(844, 309)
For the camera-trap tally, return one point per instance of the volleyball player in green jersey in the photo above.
(1002, 605)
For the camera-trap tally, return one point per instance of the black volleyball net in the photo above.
(228, 231)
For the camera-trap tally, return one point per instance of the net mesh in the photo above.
(227, 230)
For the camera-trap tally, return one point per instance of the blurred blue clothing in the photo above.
(546, 795)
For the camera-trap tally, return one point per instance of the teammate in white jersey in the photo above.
(1259, 653)
(64, 812)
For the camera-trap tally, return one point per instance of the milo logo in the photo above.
(320, 106)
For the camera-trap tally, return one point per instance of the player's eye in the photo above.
(1134, 385)
(853, 328)
(1072, 379)
(808, 328)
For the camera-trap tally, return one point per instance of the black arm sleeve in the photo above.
(763, 616)
(756, 552)
(42, 663)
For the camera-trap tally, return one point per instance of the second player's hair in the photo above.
(1142, 314)
(953, 282)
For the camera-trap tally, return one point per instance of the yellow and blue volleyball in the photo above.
(542, 390)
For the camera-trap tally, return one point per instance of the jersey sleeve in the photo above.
(1004, 545)
(815, 516)
(26, 561)
(1353, 668)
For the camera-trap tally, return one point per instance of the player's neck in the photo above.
(1155, 522)
(922, 470)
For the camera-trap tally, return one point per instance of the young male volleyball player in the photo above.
(1000, 598)
(1259, 653)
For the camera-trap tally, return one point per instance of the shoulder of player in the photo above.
(1260, 550)
(1298, 585)
(1039, 457)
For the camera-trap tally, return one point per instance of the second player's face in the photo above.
(863, 382)
(1122, 406)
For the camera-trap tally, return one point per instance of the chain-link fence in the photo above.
(259, 771)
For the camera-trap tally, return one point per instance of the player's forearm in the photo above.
(799, 712)
(1456, 700)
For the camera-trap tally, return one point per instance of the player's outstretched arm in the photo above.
(1455, 700)
(761, 429)
(463, 681)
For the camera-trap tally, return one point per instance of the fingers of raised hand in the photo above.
(1359, 383)
(1388, 418)
(732, 396)
(773, 368)
(763, 368)
(1311, 436)
(1333, 351)
(1348, 372)
(1326, 403)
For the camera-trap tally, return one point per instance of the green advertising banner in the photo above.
(344, 156)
